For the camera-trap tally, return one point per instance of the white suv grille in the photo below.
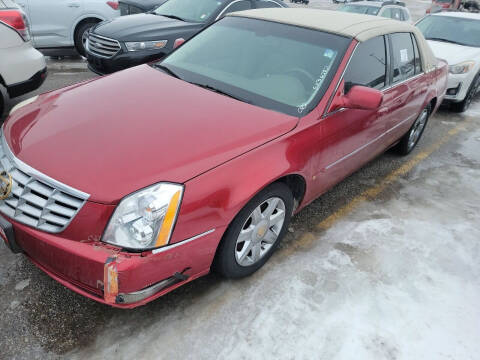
(102, 46)
(37, 200)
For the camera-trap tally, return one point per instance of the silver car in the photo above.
(64, 23)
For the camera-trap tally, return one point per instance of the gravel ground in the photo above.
(395, 278)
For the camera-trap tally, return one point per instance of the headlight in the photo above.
(22, 104)
(145, 219)
(461, 68)
(145, 45)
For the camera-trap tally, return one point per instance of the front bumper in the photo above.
(121, 61)
(458, 86)
(108, 275)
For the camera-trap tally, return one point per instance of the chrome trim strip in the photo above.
(169, 247)
(133, 297)
(367, 144)
(38, 175)
(402, 82)
(229, 5)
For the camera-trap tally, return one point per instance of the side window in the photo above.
(261, 4)
(387, 13)
(237, 6)
(396, 14)
(406, 15)
(418, 60)
(403, 56)
(368, 66)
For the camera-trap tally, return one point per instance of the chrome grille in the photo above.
(102, 46)
(37, 200)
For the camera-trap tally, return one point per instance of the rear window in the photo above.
(360, 9)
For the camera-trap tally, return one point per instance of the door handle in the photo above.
(383, 111)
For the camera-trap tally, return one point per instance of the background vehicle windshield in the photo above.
(190, 10)
(451, 29)
(275, 66)
(360, 9)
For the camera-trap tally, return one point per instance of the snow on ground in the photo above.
(398, 278)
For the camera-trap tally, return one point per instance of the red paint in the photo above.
(158, 128)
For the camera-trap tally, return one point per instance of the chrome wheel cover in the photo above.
(417, 128)
(260, 232)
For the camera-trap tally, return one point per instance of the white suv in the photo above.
(22, 68)
(65, 23)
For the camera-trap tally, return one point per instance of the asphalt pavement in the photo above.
(383, 266)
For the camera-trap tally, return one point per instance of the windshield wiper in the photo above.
(445, 40)
(218, 91)
(173, 17)
(167, 70)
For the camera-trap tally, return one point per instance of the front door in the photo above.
(348, 138)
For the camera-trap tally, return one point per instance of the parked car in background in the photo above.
(300, 1)
(395, 10)
(22, 68)
(455, 37)
(164, 171)
(137, 39)
(445, 5)
(132, 7)
(64, 23)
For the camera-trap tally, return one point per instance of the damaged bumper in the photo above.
(108, 275)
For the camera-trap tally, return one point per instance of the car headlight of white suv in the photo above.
(146, 218)
(461, 68)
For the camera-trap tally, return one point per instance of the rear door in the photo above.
(408, 90)
(51, 20)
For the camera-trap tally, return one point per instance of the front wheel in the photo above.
(81, 34)
(410, 139)
(255, 232)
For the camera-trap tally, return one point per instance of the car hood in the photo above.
(454, 53)
(112, 136)
(141, 27)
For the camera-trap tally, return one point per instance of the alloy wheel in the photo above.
(260, 231)
(417, 128)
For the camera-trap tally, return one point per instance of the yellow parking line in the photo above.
(369, 194)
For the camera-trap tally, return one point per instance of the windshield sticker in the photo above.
(404, 55)
(329, 53)
(322, 77)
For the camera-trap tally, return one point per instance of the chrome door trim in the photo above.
(367, 144)
(183, 242)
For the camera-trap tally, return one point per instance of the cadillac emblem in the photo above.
(5, 185)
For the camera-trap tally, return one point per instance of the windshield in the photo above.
(360, 9)
(276, 66)
(190, 10)
(451, 29)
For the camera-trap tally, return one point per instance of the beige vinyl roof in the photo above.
(357, 26)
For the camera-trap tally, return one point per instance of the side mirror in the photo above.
(363, 98)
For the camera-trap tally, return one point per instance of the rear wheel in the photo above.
(81, 36)
(255, 232)
(465, 104)
(410, 139)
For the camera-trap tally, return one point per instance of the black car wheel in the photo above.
(465, 104)
(81, 36)
(255, 233)
(411, 138)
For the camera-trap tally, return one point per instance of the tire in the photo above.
(236, 258)
(79, 36)
(472, 91)
(412, 137)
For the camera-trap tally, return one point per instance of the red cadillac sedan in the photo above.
(126, 187)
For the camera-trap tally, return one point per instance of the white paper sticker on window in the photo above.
(404, 55)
